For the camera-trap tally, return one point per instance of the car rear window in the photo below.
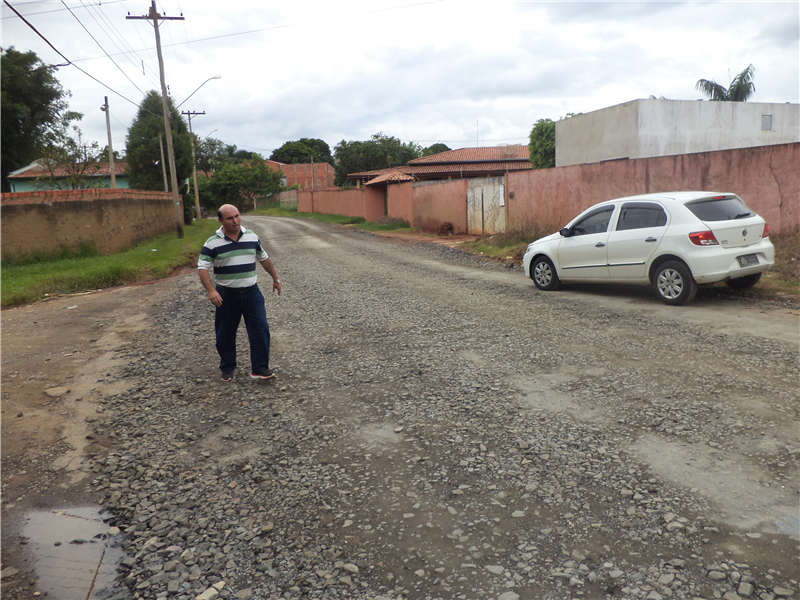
(720, 209)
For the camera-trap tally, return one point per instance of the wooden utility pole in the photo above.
(190, 114)
(104, 108)
(163, 164)
(155, 17)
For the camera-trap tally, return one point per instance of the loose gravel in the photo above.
(439, 429)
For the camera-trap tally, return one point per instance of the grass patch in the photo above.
(385, 224)
(278, 211)
(509, 245)
(158, 258)
(784, 276)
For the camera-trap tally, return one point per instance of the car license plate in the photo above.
(748, 260)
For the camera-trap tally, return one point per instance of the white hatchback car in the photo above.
(672, 240)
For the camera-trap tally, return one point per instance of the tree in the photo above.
(33, 111)
(233, 184)
(379, 152)
(542, 144)
(71, 165)
(303, 151)
(143, 153)
(435, 149)
(741, 88)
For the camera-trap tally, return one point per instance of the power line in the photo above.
(101, 47)
(47, 12)
(69, 62)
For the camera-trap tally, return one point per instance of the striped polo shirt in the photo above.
(234, 262)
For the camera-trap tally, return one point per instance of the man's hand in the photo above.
(215, 298)
(276, 287)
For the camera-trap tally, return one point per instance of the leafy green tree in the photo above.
(542, 146)
(143, 151)
(741, 88)
(379, 152)
(234, 184)
(34, 113)
(435, 149)
(71, 165)
(303, 151)
(211, 155)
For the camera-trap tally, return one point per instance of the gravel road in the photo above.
(440, 429)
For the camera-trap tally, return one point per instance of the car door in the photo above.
(582, 252)
(639, 230)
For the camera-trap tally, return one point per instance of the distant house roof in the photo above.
(462, 163)
(38, 168)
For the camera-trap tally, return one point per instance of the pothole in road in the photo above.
(75, 559)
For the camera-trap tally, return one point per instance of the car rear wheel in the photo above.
(742, 283)
(544, 274)
(674, 283)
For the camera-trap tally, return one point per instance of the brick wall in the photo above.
(112, 219)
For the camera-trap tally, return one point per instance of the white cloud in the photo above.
(421, 71)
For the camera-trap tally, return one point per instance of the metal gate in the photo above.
(486, 206)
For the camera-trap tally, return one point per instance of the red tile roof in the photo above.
(466, 162)
(472, 155)
(99, 170)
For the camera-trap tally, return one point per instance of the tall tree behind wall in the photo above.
(34, 113)
(142, 147)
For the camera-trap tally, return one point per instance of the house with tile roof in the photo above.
(25, 179)
(465, 163)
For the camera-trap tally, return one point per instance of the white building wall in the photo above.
(672, 127)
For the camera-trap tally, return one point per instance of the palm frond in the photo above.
(742, 86)
(712, 89)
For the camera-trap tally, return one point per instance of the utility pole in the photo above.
(163, 164)
(155, 17)
(104, 108)
(190, 114)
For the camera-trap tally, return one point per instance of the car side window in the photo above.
(641, 215)
(596, 222)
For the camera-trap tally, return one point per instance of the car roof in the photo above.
(681, 197)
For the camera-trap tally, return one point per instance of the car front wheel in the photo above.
(544, 274)
(742, 283)
(674, 283)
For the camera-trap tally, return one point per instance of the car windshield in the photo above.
(720, 209)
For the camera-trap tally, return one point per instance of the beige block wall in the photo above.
(114, 219)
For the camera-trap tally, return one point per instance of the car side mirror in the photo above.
(564, 232)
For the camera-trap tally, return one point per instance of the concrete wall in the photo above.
(29, 185)
(112, 219)
(401, 201)
(650, 128)
(307, 176)
(766, 177)
(438, 202)
(367, 203)
(287, 199)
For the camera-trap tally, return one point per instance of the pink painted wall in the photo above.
(373, 203)
(363, 202)
(766, 177)
(401, 201)
(441, 202)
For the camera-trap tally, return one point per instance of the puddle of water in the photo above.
(74, 558)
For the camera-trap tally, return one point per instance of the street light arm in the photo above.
(194, 92)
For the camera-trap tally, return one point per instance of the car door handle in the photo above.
(651, 239)
(599, 245)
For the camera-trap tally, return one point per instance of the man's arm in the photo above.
(213, 295)
(270, 268)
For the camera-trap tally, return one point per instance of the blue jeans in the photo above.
(235, 305)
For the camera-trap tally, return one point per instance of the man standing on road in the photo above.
(233, 252)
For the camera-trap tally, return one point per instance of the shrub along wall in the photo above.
(112, 219)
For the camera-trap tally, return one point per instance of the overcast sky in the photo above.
(458, 72)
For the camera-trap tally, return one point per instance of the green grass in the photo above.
(285, 212)
(25, 281)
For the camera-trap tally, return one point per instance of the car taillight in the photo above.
(766, 230)
(703, 238)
